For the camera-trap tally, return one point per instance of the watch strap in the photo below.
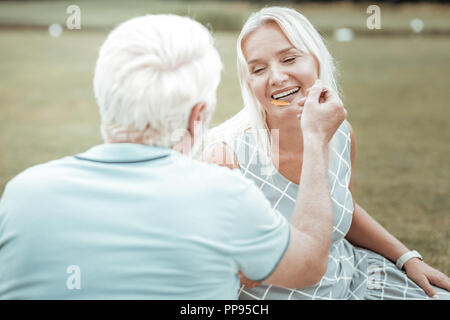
(405, 257)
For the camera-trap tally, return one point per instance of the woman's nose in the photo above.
(277, 76)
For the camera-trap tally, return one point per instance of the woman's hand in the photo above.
(425, 276)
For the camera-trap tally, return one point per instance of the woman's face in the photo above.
(277, 69)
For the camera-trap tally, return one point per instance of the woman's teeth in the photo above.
(285, 93)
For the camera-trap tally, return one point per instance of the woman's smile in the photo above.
(286, 95)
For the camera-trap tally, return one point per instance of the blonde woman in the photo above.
(280, 56)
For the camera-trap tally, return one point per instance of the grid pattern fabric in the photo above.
(353, 273)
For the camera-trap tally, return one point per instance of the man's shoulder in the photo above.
(214, 171)
(36, 174)
(216, 178)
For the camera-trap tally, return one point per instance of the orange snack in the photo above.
(280, 103)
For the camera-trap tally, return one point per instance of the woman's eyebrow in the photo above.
(277, 53)
(253, 61)
(285, 50)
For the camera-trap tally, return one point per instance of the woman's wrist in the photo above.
(406, 257)
(411, 262)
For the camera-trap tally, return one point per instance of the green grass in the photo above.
(395, 90)
(396, 93)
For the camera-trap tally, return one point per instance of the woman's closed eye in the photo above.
(289, 59)
(257, 70)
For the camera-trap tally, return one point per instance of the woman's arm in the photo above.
(367, 233)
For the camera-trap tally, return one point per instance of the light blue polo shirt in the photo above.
(128, 221)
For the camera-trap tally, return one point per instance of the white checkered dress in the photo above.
(353, 273)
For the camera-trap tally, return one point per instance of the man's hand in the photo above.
(322, 114)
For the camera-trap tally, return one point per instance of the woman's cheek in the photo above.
(258, 88)
(308, 73)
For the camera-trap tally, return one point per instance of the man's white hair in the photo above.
(150, 72)
(303, 36)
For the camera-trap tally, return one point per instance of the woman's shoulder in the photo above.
(349, 127)
(345, 133)
(220, 141)
(220, 152)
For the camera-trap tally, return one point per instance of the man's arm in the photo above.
(306, 256)
(305, 261)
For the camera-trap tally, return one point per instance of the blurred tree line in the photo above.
(351, 1)
(289, 1)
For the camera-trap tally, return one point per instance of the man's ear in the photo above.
(197, 116)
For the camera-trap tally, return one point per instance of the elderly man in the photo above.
(135, 217)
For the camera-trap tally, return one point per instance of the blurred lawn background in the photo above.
(395, 86)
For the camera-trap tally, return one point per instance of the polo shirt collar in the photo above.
(124, 153)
